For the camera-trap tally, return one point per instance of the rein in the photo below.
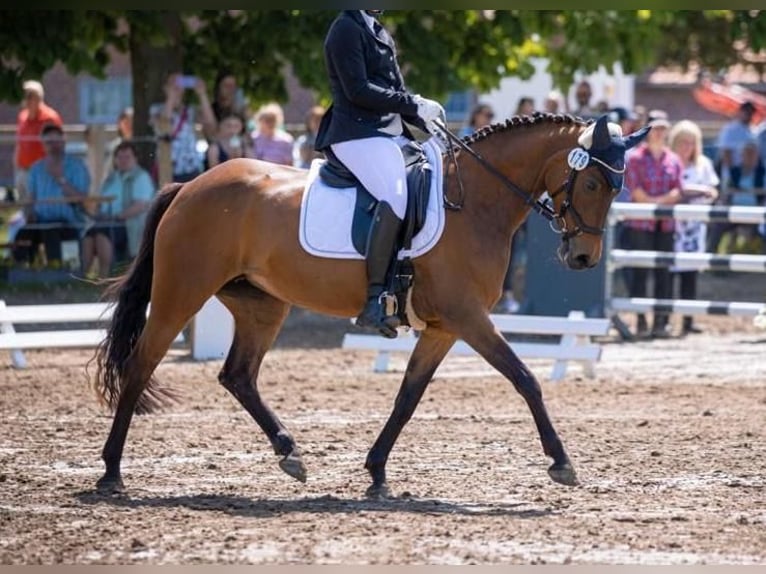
(540, 206)
(543, 207)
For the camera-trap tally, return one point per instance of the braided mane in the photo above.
(524, 121)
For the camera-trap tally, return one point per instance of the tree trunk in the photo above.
(151, 65)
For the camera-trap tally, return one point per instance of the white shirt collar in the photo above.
(369, 19)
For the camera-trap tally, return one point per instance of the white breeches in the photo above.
(378, 164)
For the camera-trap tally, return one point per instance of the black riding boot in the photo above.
(381, 246)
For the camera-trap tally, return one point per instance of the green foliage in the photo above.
(32, 42)
(440, 50)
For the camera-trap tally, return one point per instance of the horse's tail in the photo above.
(132, 291)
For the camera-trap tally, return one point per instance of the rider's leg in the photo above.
(379, 165)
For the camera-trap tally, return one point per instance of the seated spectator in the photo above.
(116, 233)
(732, 139)
(124, 132)
(552, 102)
(270, 141)
(57, 184)
(744, 178)
(304, 151)
(481, 115)
(228, 143)
(626, 119)
(525, 106)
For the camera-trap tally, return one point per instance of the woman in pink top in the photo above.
(270, 141)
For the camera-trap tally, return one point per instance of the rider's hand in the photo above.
(438, 136)
(429, 110)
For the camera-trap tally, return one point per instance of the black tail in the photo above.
(132, 292)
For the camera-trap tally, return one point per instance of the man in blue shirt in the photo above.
(56, 185)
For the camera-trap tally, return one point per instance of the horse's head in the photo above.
(595, 177)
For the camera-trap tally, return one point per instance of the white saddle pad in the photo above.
(327, 213)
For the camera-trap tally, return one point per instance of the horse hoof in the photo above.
(110, 485)
(563, 474)
(293, 465)
(379, 492)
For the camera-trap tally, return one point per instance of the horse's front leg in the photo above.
(430, 350)
(490, 344)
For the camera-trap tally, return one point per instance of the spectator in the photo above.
(270, 141)
(56, 183)
(34, 115)
(744, 178)
(653, 175)
(732, 138)
(699, 183)
(525, 106)
(226, 98)
(124, 132)
(116, 234)
(552, 102)
(228, 143)
(623, 117)
(583, 94)
(304, 151)
(174, 119)
(481, 115)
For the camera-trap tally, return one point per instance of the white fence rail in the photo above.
(575, 343)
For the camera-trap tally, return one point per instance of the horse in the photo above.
(233, 233)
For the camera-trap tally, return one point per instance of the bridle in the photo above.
(556, 220)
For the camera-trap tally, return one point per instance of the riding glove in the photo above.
(429, 110)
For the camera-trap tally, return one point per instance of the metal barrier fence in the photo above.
(617, 258)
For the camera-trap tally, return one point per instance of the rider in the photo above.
(364, 130)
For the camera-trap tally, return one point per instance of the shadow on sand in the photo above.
(267, 508)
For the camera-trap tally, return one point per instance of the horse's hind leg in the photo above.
(258, 318)
(430, 350)
(491, 345)
(153, 343)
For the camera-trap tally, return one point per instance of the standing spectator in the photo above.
(304, 151)
(119, 224)
(653, 175)
(228, 143)
(481, 115)
(270, 141)
(699, 185)
(57, 177)
(179, 117)
(226, 98)
(733, 137)
(583, 94)
(34, 115)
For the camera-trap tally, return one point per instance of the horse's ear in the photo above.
(601, 137)
(636, 137)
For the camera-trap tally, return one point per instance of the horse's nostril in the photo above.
(583, 260)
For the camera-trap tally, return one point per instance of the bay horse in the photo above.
(233, 232)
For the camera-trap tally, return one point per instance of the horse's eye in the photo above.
(591, 185)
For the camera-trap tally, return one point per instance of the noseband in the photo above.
(579, 159)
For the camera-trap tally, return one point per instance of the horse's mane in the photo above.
(536, 118)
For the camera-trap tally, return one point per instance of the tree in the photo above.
(440, 50)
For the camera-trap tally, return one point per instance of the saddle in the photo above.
(400, 275)
(334, 174)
